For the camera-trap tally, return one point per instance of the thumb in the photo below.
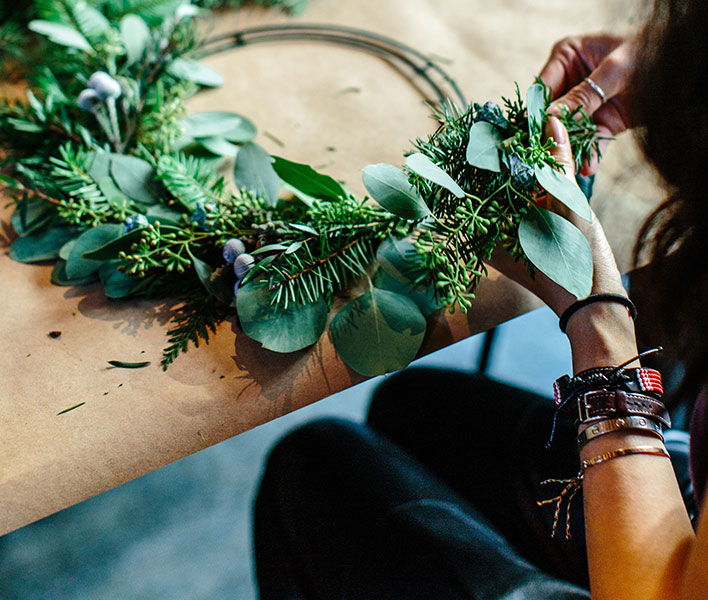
(562, 152)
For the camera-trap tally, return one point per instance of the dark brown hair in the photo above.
(670, 100)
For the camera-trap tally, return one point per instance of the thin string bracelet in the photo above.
(573, 485)
(605, 297)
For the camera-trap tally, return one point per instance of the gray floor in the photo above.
(184, 532)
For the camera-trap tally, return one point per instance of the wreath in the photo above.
(116, 183)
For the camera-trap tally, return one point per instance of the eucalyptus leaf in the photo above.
(424, 298)
(483, 147)
(191, 70)
(564, 190)
(59, 276)
(399, 259)
(276, 328)
(136, 36)
(31, 215)
(163, 214)
(219, 146)
(100, 165)
(426, 168)
(219, 283)
(254, 172)
(65, 250)
(536, 107)
(227, 125)
(135, 177)
(116, 283)
(60, 34)
(389, 186)
(305, 179)
(378, 332)
(41, 246)
(77, 266)
(117, 199)
(113, 247)
(557, 248)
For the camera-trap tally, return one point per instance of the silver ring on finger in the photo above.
(598, 90)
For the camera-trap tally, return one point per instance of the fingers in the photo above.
(554, 72)
(562, 152)
(606, 81)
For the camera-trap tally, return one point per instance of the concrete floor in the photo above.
(184, 532)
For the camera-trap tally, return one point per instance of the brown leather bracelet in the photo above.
(618, 403)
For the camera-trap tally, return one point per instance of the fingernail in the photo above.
(557, 131)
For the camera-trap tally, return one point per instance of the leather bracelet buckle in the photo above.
(618, 403)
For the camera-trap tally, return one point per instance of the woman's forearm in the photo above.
(639, 536)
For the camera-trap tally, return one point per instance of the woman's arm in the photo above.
(639, 537)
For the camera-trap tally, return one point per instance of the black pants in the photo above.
(435, 498)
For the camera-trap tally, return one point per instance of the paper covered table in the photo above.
(316, 103)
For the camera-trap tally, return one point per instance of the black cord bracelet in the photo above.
(619, 298)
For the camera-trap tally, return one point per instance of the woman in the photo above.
(437, 497)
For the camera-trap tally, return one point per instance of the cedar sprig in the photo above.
(192, 323)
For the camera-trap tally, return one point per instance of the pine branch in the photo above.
(189, 180)
(87, 204)
(192, 322)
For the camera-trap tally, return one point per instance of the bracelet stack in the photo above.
(628, 398)
(605, 400)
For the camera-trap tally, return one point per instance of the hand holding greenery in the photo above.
(114, 181)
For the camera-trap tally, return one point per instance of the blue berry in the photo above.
(233, 249)
(134, 222)
(199, 216)
(105, 85)
(243, 265)
(87, 99)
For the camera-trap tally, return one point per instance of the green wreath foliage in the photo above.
(117, 184)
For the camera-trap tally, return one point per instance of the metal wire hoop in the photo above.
(396, 53)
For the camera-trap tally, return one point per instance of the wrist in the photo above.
(601, 334)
